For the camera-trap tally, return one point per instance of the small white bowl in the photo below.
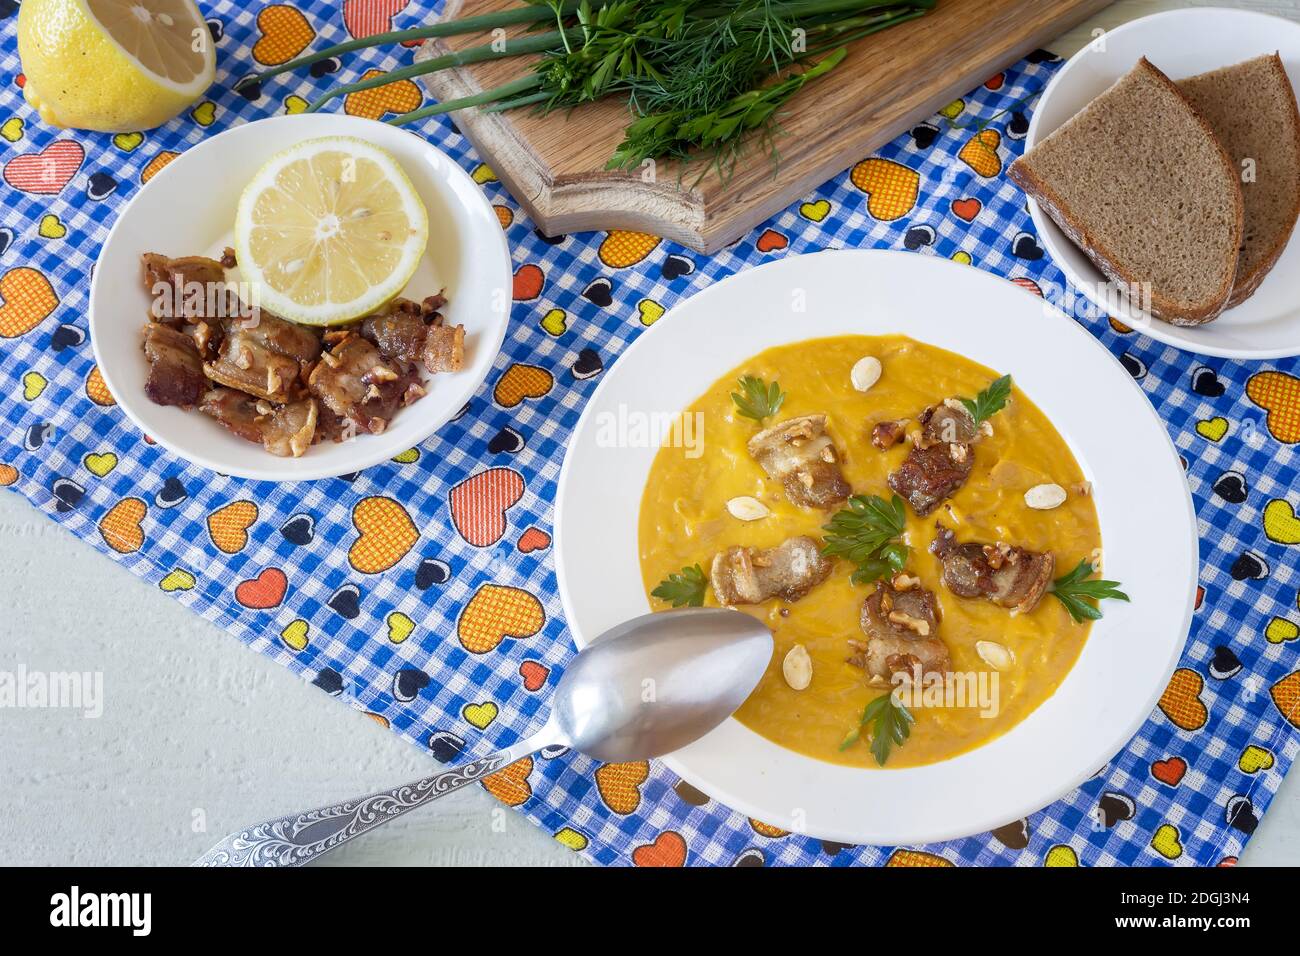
(188, 208)
(1182, 43)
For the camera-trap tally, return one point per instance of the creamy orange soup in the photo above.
(684, 521)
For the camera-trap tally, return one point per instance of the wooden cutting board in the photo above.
(554, 164)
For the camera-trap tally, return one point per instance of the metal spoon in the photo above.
(642, 689)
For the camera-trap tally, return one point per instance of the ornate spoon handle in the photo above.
(301, 837)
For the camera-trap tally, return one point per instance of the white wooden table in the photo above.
(199, 735)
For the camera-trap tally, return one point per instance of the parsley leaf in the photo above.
(1076, 589)
(865, 533)
(891, 724)
(990, 401)
(685, 587)
(756, 399)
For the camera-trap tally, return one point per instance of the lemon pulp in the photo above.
(329, 230)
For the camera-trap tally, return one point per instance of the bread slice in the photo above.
(1139, 182)
(1252, 109)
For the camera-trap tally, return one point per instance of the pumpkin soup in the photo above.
(983, 503)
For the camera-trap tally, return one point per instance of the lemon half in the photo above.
(113, 65)
(329, 230)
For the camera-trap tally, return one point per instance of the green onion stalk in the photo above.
(698, 75)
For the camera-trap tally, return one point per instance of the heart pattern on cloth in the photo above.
(1286, 697)
(668, 850)
(101, 464)
(33, 386)
(46, 172)
(1254, 759)
(649, 311)
(533, 539)
(510, 784)
(296, 635)
(263, 592)
(1181, 702)
(534, 674)
(26, 300)
(385, 534)
(619, 785)
(365, 18)
(1278, 394)
(285, 33)
(567, 836)
(122, 527)
(1169, 771)
(479, 504)
(521, 381)
(51, 227)
(966, 209)
(97, 389)
(622, 249)
(891, 187)
(497, 612)
(1212, 429)
(178, 579)
(1167, 842)
(981, 153)
(815, 211)
(400, 627)
(769, 241)
(228, 526)
(1061, 855)
(1280, 522)
(917, 858)
(401, 96)
(528, 283)
(479, 715)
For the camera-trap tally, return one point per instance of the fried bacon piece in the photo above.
(799, 454)
(752, 575)
(187, 288)
(284, 430)
(941, 457)
(354, 382)
(175, 367)
(1007, 575)
(263, 356)
(901, 627)
(398, 332)
(444, 348)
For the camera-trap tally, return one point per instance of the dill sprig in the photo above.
(699, 76)
(891, 724)
(866, 533)
(1079, 592)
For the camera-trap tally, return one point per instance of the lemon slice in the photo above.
(113, 65)
(329, 230)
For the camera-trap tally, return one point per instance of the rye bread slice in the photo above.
(1140, 183)
(1252, 109)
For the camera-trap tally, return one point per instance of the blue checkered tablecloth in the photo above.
(297, 589)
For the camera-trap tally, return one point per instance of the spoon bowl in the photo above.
(660, 681)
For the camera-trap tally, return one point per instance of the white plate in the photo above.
(189, 209)
(1182, 43)
(1147, 524)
